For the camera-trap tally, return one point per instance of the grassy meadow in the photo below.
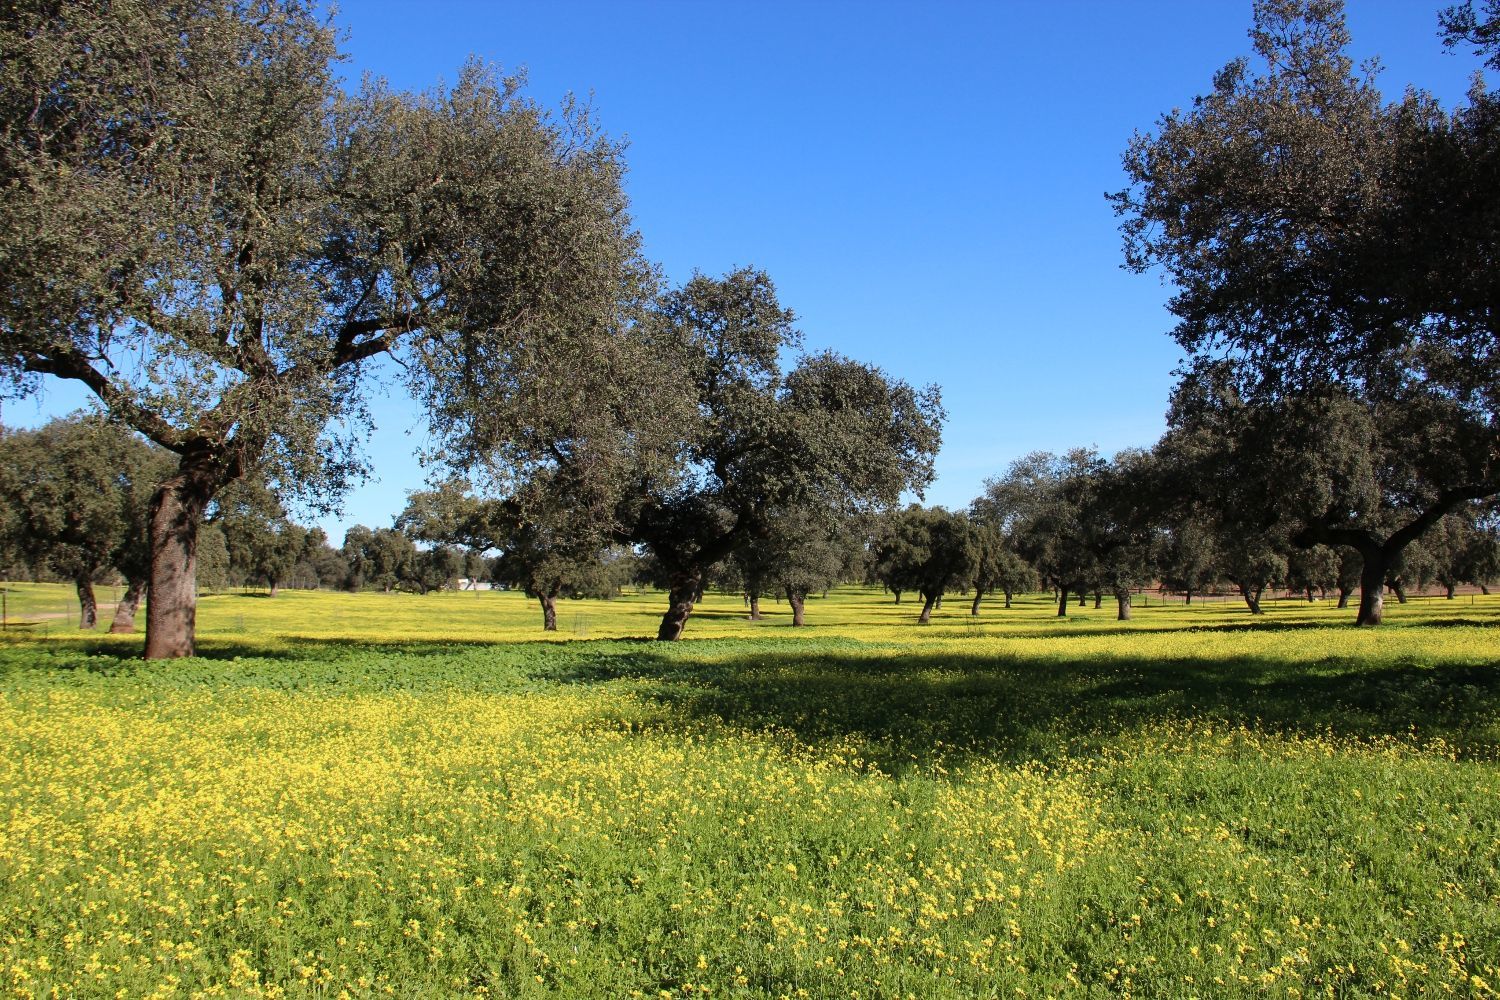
(391, 795)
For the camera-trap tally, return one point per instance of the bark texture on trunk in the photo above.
(682, 595)
(88, 606)
(171, 613)
(1062, 602)
(978, 596)
(1252, 598)
(1344, 593)
(1400, 590)
(1372, 588)
(755, 607)
(1098, 600)
(1007, 598)
(898, 596)
(549, 611)
(1122, 603)
(125, 610)
(1452, 590)
(928, 600)
(797, 602)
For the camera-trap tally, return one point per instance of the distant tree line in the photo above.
(205, 231)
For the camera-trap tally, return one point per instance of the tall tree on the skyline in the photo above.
(202, 229)
(828, 439)
(1333, 252)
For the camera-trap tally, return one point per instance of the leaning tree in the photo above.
(1332, 251)
(930, 550)
(200, 227)
(829, 439)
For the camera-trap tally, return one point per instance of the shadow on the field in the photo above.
(901, 710)
(913, 709)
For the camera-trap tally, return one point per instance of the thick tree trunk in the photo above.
(1252, 598)
(1122, 605)
(1452, 590)
(1344, 593)
(1187, 596)
(549, 611)
(928, 600)
(171, 613)
(974, 608)
(754, 607)
(1098, 600)
(1062, 602)
(1485, 590)
(797, 601)
(276, 588)
(1400, 589)
(1372, 587)
(682, 595)
(125, 610)
(898, 596)
(1083, 599)
(1007, 598)
(88, 607)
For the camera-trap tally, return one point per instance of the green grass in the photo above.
(386, 794)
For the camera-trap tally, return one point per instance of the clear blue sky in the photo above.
(924, 182)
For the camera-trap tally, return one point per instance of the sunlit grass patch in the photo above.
(369, 794)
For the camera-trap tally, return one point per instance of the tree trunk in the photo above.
(1098, 600)
(549, 611)
(1452, 590)
(1400, 589)
(1062, 602)
(797, 601)
(754, 607)
(1122, 604)
(1083, 599)
(88, 607)
(682, 595)
(1187, 598)
(1344, 593)
(125, 610)
(898, 596)
(928, 600)
(276, 588)
(974, 608)
(1372, 587)
(1485, 590)
(1007, 598)
(1252, 598)
(172, 612)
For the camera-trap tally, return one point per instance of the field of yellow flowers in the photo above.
(391, 795)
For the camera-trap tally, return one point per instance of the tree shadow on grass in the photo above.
(912, 710)
(901, 709)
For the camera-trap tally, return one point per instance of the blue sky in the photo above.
(923, 182)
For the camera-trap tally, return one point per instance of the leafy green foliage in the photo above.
(827, 440)
(76, 492)
(930, 550)
(1333, 257)
(188, 187)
